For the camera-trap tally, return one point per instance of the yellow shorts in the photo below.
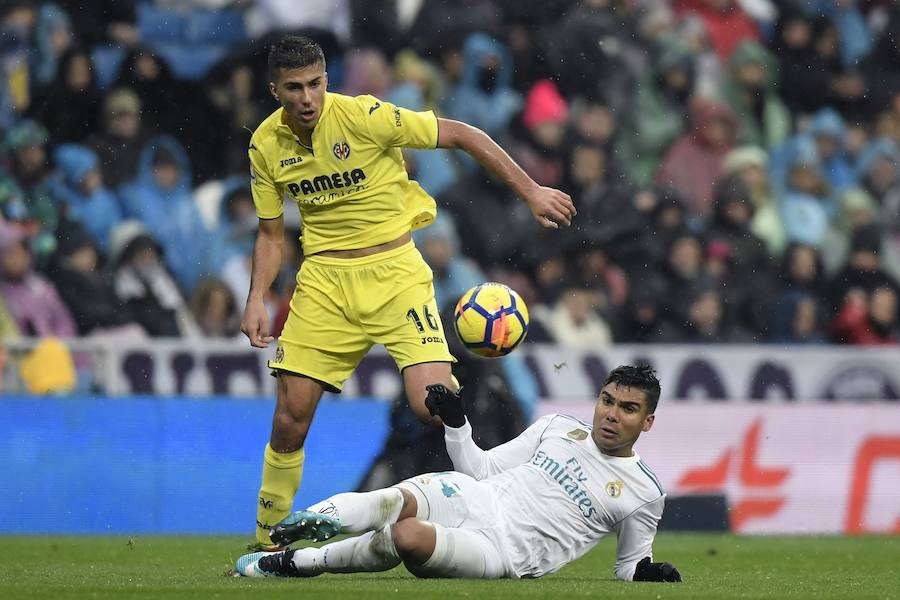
(343, 306)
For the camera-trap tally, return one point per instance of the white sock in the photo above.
(365, 511)
(372, 551)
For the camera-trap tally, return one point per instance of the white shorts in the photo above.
(467, 522)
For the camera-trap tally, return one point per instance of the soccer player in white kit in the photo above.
(524, 509)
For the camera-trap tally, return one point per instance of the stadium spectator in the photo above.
(807, 207)
(231, 240)
(574, 320)
(699, 317)
(103, 21)
(86, 289)
(694, 163)
(53, 36)
(160, 197)
(657, 116)
(16, 28)
(484, 97)
(81, 191)
(881, 69)
(26, 160)
(749, 88)
(539, 147)
(745, 274)
(215, 309)
(120, 141)
(863, 270)
(601, 34)
(30, 298)
(69, 106)
(143, 284)
(867, 319)
(796, 319)
(726, 21)
(750, 164)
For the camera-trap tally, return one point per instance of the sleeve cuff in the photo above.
(458, 434)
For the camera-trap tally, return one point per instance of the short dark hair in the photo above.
(294, 52)
(642, 377)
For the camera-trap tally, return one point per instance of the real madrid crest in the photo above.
(578, 434)
(279, 354)
(614, 488)
(341, 150)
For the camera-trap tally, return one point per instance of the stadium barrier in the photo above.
(689, 373)
(163, 465)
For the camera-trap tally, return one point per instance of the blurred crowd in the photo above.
(735, 163)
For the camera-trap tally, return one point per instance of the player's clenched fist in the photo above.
(255, 324)
(448, 405)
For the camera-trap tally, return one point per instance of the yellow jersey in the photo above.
(352, 188)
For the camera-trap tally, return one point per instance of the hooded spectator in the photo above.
(161, 197)
(751, 165)
(144, 285)
(53, 36)
(120, 141)
(84, 287)
(694, 164)
(69, 107)
(657, 116)
(484, 97)
(749, 89)
(539, 147)
(30, 298)
(82, 192)
(807, 207)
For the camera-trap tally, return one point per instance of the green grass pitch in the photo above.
(714, 566)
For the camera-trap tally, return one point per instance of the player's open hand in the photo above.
(255, 324)
(551, 207)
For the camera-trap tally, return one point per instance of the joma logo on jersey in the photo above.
(286, 162)
(326, 182)
(432, 339)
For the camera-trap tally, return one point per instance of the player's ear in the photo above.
(272, 90)
(648, 422)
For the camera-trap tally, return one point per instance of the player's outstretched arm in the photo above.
(655, 571)
(467, 457)
(267, 253)
(550, 206)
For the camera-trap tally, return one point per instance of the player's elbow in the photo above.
(456, 134)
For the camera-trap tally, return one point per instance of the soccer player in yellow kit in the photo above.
(363, 281)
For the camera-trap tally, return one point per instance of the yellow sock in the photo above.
(281, 476)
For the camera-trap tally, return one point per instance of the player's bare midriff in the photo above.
(360, 252)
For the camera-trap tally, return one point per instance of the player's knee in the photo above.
(414, 540)
(290, 425)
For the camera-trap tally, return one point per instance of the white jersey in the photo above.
(559, 495)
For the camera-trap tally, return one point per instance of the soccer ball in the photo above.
(491, 320)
